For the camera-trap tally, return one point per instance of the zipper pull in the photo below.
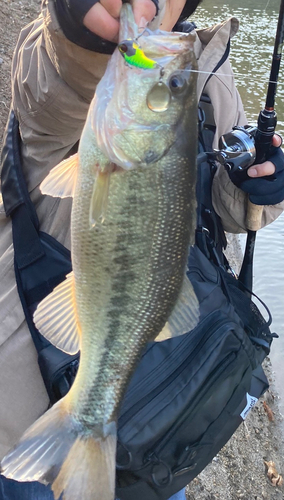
(186, 456)
(151, 457)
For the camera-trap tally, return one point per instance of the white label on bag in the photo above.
(251, 402)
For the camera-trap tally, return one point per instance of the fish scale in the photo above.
(133, 263)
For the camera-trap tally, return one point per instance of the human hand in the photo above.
(266, 168)
(103, 17)
(265, 182)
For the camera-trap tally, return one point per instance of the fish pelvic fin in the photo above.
(55, 317)
(55, 451)
(185, 315)
(98, 205)
(61, 180)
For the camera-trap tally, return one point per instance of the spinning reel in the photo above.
(237, 149)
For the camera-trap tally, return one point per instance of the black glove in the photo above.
(70, 15)
(268, 190)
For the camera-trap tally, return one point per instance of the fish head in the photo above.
(142, 104)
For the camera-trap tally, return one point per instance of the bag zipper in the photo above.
(153, 456)
(208, 384)
(184, 360)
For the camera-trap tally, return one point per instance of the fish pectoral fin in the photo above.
(61, 180)
(55, 450)
(98, 205)
(55, 317)
(185, 314)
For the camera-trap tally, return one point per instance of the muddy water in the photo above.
(251, 53)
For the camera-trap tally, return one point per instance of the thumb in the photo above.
(144, 11)
(261, 170)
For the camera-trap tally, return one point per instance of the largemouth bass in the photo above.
(133, 219)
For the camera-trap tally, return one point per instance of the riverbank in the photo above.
(239, 471)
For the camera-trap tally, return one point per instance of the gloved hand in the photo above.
(265, 182)
(103, 16)
(94, 24)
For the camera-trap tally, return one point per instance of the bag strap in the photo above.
(210, 236)
(17, 202)
(40, 262)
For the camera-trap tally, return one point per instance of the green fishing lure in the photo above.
(135, 56)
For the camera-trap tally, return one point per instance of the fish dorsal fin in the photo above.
(98, 205)
(55, 317)
(61, 180)
(185, 314)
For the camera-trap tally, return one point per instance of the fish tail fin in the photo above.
(89, 470)
(55, 451)
(42, 448)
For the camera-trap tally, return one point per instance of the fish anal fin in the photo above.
(55, 317)
(61, 180)
(185, 314)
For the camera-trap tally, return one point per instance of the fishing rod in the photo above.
(266, 126)
(267, 119)
(244, 146)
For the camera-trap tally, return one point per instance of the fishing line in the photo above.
(266, 5)
(232, 75)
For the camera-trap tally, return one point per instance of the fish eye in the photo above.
(177, 83)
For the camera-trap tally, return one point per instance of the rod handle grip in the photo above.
(254, 216)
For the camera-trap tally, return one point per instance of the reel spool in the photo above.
(237, 149)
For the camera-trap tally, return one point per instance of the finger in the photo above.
(113, 7)
(173, 11)
(266, 168)
(100, 21)
(144, 11)
(277, 140)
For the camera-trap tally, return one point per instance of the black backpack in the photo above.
(188, 394)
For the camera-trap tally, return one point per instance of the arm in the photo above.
(54, 80)
(230, 201)
(94, 24)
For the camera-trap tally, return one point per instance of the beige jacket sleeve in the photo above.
(229, 201)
